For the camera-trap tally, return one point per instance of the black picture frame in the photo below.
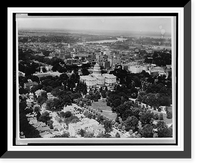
(186, 153)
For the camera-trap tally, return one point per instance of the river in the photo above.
(106, 41)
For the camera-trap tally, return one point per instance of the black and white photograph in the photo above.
(98, 82)
(96, 77)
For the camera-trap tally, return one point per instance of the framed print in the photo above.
(99, 82)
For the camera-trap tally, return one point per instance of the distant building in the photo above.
(137, 68)
(110, 59)
(125, 67)
(91, 57)
(106, 64)
(80, 55)
(106, 52)
(116, 60)
(110, 81)
(150, 51)
(157, 71)
(48, 73)
(71, 61)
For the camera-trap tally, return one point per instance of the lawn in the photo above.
(107, 111)
(101, 105)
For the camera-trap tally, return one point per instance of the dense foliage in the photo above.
(147, 131)
(160, 58)
(131, 123)
(28, 130)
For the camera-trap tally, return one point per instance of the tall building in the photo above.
(106, 64)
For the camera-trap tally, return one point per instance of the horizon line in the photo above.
(92, 30)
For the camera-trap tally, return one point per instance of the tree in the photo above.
(156, 117)
(41, 100)
(22, 105)
(164, 101)
(44, 94)
(36, 108)
(127, 109)
(38, 115)
(63, 96)
(45, 52)
(137, 81)
(141, 96)
(151, 99)
(146, 118)
(66, 114)
(103, 93)
(163, 130)
(47, 88)
(71, 83)
(90, 115)
(125, 114)
(81, 87)
(117, 135)
(75, 96)
(131, 123)
(100, 118)
(44, 69)
(97, 96)
(64, 77)
(134, 92)
(44, 117)
(71, 119)
(56, 91)
(107, 125)
(116, 103)
(28, 130)
(82, 132)
(23, 91)
(35, 78)
(147, 131)
(86, 101)
(136, 111)
(85, 71)
(54, 104)
(50, 124)
(89, 135)
(36, 87)
(50, 81)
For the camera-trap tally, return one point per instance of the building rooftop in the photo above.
(88, 77)
(109, 75)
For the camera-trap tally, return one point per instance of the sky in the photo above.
(106, 23)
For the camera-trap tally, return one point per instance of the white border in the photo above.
(98, 10)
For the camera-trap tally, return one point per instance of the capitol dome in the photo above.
(96, 69)
(96, 79)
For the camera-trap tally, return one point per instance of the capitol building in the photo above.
(97, 80)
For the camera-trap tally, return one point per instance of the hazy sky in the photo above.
(130, 23)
